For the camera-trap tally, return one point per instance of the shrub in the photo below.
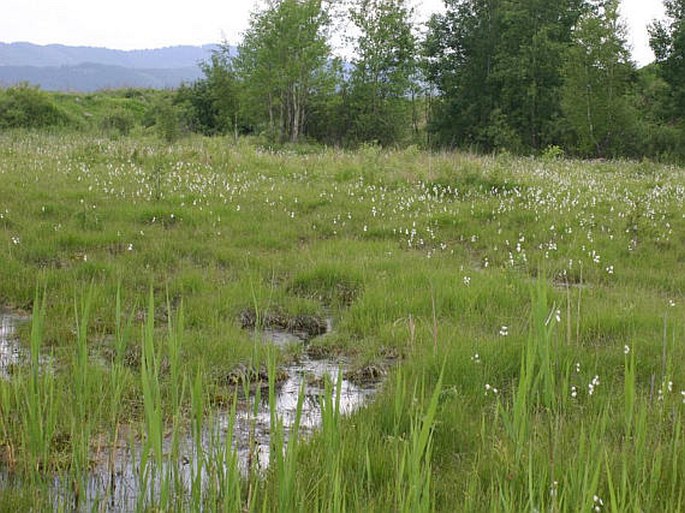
(166, 118)
(26, 106)
(553, 152)
(118, 121)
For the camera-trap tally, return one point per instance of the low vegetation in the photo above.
(528, 314)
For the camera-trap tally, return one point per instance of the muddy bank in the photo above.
(276, 324)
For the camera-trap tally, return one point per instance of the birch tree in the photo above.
(597, 79)
(282, 60)
(383, 71)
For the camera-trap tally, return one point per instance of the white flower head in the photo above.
(490, 389)
(592, 385)
(599, 503)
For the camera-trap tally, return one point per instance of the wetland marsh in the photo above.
(480, 333)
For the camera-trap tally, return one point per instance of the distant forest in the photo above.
(525, 76)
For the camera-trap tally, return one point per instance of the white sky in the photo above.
(137, 24)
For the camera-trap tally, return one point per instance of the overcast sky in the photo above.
(138, 24)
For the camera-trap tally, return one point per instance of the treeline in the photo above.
(530, 74)
(524, 76)
(533, 75)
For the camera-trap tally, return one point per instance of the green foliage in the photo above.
(329, 114)
(119, 121)
(384, 70)
(24, 106)
(282, 61)
(663, 92)
(211, 105)
(552, 153)
(465, 31)
(489, 75)
(668, 42)
(598, 75)
(166, 118)
(499, 135)
(499, 64)
(661, 137)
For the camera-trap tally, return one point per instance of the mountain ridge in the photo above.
(57, 67)
(29, 54)
(90, 77)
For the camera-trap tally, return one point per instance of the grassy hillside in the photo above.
(528, 315)
(109, 113)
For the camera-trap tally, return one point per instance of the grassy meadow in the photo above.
(528, 315)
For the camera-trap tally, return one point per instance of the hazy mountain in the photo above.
(92, 77)
(28, 54)
(83, 68)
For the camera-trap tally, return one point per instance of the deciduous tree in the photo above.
(598, 75)
(283, 57)
(498, 65)
(383, 71)
(668, 42)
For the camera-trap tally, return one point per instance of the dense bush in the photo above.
(118, 121)
(25, 106)
(166, 119)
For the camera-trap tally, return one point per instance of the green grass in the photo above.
(504, 290)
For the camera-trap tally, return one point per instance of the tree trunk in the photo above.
(272, 127)
(295, 116)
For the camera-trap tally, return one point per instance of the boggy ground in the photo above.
(534, 309)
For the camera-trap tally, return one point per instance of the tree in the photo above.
(282, 60)
(383, 71)
(660, 136)
(598, 77)
(211, 104)
(328, 116)
(668, 42)
(167, 119)
(459, 51)
(498, 65)
(528, 69)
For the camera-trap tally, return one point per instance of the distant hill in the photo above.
(83, 68)
(28, 54)
(94, 77)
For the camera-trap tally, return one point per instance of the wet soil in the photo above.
(304, 327)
